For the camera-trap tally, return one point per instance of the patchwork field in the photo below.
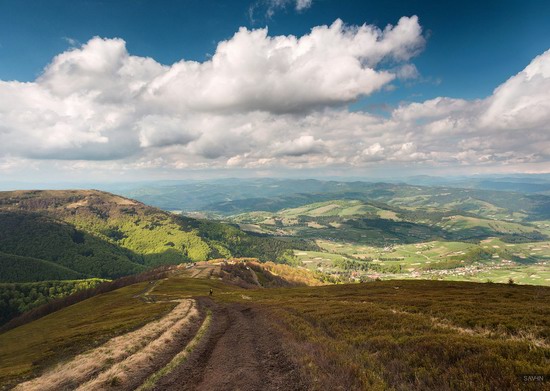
(491, 260)
(434, 236)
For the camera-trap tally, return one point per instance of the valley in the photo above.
(66, 235)
(427, 233)
(395, 287)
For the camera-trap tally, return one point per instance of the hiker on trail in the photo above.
(211, 292)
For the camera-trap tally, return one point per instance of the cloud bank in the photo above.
(266, 102)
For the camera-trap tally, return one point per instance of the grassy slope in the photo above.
(417, 220)
(405, 335)
(417, 335)
(27, 349)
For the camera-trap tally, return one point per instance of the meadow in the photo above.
(401, 335)
(17, 298)
(415, 335)
(28, 349)
(491, 260)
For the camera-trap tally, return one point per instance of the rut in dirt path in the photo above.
(141, 351)
(240, 351)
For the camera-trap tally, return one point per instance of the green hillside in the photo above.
(40, 236)
(17, 298)
(25, 269)
(97, 234)
(379, 223)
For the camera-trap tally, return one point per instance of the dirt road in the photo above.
(239, 352)
(199, 345)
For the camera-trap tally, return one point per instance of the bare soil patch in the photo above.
(240, 351)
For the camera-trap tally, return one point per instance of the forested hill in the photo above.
(76, 233)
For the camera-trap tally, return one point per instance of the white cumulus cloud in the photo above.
(266, 101)
(99, 102)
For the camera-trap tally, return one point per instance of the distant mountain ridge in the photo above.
(534, 206)
(233, 196)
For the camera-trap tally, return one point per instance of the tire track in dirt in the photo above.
(236, 349)
(145, 295)
(134, 369)
(178, 359)
(240, 351)
(204, 270)
(179, 323)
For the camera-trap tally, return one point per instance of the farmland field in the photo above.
(435, 236)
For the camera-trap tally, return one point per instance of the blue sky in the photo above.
(473, 46)
(464, 51)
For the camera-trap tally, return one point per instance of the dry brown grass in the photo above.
(415, 335)
(142, 361)
(179, 358)
(84, 366)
